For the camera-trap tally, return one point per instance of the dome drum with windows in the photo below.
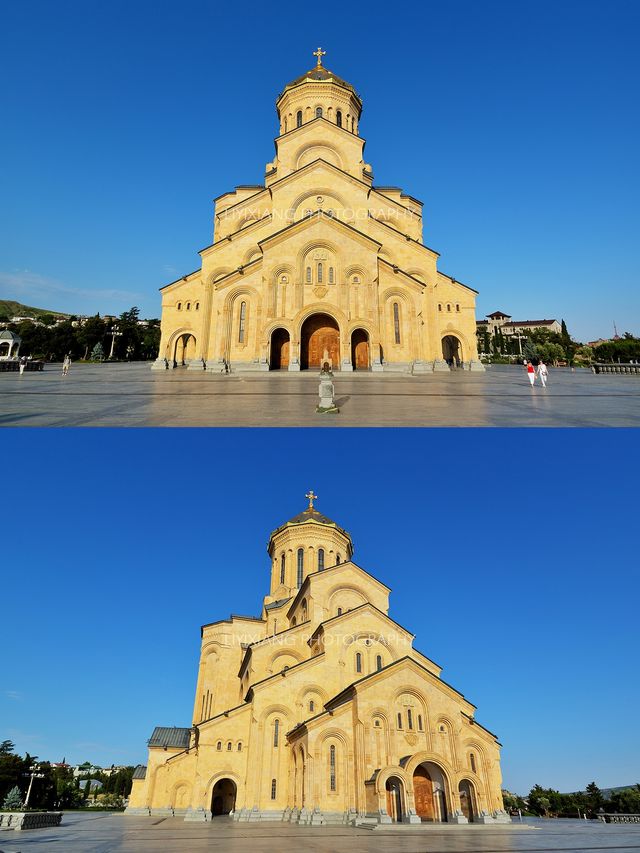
(318, 261)
(320, 710)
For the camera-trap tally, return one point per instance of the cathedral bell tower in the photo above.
(309, 542)
(319, 93)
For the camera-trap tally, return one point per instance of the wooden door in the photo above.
(423, 794)
(360, 350)
(280, 350)
(320, 333)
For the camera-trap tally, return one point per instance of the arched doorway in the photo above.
(319, 336)
(360, 350)
(468, 800)
(184, 350)
(452, 351)
(279, 355)
(429, 788)
(223, 797)
(395, 808)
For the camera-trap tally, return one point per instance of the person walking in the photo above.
(531, 372)
(66, 364)
(23, 364)
(543, 373)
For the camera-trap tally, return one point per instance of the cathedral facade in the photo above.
(320, 710)
(318, 263)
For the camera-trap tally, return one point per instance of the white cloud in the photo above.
(14, 695)
(41, 291)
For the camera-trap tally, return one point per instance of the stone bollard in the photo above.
(327, 405)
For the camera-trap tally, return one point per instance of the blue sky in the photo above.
(515, 123)
(509, 553)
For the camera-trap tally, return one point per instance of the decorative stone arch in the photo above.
(467, 790)
(465, 350)
(313, 245)
(307, 690)
(313, 194)
(384, 775)
(333, 593)
(238, 294)
(410, 690)
(218, 777)
(318, 150)
(252, 254)
(284, 653)
(420, 274)
(470, 745)
(412, 763)
(180, 796)
(181, 346)
(336, 342)
(217, 274)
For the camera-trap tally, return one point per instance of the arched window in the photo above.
(358, 662)
(179, 306)
(282, 567)
(273, 789)
(319, 273)
(299, 118)
(294, 622)
(320, 559)
(338, 559)
(448, 307)
(409, 718)
(219, 746)
(239, 746)
(285, 124)
(188, 306)
(318, 112)
(300, 565)
(472, 762)
(308, 275)
(312, 706)
(197, 306)
(377, 724)
(439, 306)
(419, 722)
(339, 118)
(276, 732)
(399, 720)
(330, 275)
(229, 747)
(396, 322)
(379, 662)
(243, 315)
(332, 767)
(457, 307)
(339, 611)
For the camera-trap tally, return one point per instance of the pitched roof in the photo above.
(170, 737)
(140, 772)
(531, 323)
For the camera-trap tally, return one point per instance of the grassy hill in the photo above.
(9, 308)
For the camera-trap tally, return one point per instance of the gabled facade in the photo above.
(321, 710)
(318, 264)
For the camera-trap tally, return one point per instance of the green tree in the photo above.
(529, 350)
(13, 800)
(97, 353)
(594, 797)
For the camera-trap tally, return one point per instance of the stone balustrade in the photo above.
(616, 368)
(29, 820)
(619, 818)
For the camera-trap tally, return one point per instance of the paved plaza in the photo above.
(134, 395)
(82, 832)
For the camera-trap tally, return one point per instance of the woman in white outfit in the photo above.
(543, 373)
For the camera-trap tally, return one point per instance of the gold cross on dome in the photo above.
(312, 498)
(319, 53)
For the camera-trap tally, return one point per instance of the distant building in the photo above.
(503, 323)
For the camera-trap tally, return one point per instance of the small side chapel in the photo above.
(320, 710)
(318, 258)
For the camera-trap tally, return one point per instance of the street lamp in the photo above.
(114, 334)
(34, 775)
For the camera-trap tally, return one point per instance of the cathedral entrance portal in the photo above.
(451, 351)
(184, 350)
(467, 799)
(223, 797)
(429, 793)
(360, 349)
(394, 799)
(320, 333)
(279, 356)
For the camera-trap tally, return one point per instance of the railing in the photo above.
(616, 368)
(14, 365)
